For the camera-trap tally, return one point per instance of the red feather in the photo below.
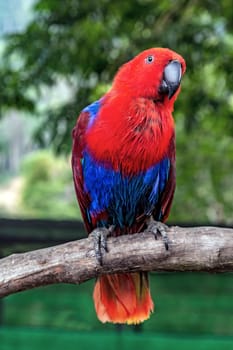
(133, 131)
(134, 134)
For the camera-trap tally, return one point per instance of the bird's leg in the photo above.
(156, 228)
(100, 235)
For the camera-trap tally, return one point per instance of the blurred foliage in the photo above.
(84, 42)
(48, 189)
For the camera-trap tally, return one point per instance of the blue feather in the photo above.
(123, 198)
(92, 109)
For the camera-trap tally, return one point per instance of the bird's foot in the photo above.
(158, 228)
(100, 236)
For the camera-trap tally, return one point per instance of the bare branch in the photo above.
(207, 249)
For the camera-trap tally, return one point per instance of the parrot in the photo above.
(123, 163)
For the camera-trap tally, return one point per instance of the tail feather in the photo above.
(123, 298)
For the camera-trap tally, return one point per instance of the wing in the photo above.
(84, 121)
(78, 135)
(165, 201)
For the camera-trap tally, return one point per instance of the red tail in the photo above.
(123, 298)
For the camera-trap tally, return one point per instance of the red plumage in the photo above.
(112, 139)
(128, 138)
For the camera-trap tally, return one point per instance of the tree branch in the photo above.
(207, 249)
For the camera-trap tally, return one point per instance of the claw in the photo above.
(156, 228)
(100, 236)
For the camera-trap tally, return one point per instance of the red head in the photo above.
(154, 73)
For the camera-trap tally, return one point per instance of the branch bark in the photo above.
(207, 249)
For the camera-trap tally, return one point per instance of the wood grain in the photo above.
(207, 249)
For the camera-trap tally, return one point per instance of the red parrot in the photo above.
(123, 162)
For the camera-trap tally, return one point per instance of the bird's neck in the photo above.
(130, 135)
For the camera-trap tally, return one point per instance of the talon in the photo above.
(157, 227)
(100, 235)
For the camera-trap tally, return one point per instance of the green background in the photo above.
(193, 310)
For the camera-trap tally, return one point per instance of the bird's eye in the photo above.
(149, 59)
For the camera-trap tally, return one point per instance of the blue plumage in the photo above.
(92, 109)
(122, 197)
